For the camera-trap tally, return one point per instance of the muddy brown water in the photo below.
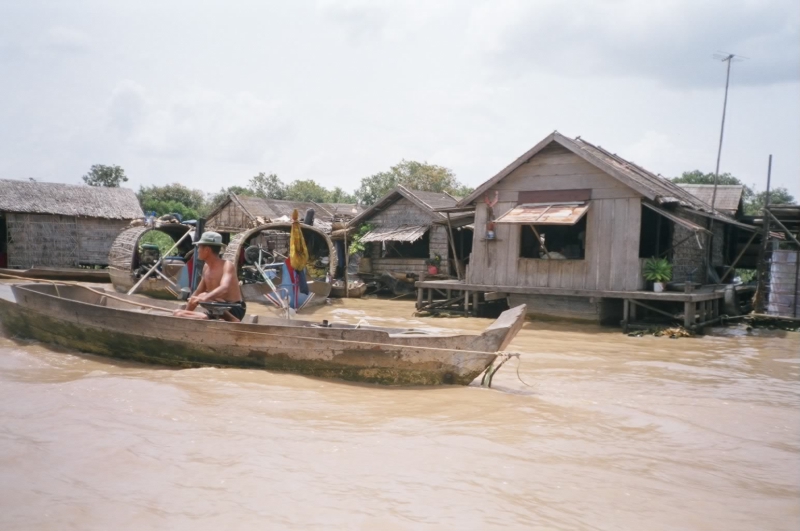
(615, 433)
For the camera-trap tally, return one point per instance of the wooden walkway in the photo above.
(701, 307)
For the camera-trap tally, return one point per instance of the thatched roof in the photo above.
(69, 200)
(728, 200)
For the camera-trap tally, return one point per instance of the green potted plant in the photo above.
(433, 264)
(658, 271)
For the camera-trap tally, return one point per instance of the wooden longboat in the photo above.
(89, 321)
(74, 274)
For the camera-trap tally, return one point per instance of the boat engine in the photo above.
(149, 256)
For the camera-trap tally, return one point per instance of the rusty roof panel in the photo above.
(545, 214)
(405, 233)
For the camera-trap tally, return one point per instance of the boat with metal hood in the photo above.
(125, 327)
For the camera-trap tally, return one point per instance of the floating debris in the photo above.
(673, 332)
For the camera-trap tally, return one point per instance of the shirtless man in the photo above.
(219, 282)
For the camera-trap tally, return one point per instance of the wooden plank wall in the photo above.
(404, 212)
(230, 219)
(612, 230)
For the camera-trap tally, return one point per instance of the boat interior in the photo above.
(146, 305)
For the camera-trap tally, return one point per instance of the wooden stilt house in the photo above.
(407, 230)
(239, 213)
(566, 227)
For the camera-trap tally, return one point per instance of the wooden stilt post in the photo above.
(626, 310)
(689, 308)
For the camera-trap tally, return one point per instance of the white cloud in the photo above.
(67, 39)
(671, 41)
(197, 122)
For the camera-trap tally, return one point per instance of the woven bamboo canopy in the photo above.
(240, 241)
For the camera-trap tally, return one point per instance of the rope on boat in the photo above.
(503, 356)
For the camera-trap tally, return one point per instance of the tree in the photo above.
(698, 177)
(101, 175)
(172, 198)
(268, 186)
(777, 196)
(215, 200)
(308, 190)
(411, 174)
(337, 195)
(753, 201)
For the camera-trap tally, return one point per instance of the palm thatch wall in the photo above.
(61, 225)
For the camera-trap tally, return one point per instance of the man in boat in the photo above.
(218, 284)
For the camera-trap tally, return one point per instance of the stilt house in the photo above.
(407, 230)
(239, 213)
(566, 228)
(61, 225)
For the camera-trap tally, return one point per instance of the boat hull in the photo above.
(348, 354)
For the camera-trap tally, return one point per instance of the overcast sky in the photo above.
(210, 93)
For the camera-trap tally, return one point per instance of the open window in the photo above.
(655, 233)
(554, 231)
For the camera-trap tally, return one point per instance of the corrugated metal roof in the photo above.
(545, 214)
(424, 200)
(728, 195)
(692, 226)
(405, 233)
(69, 200)
(650, 185)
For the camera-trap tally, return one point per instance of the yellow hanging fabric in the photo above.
(298, 253)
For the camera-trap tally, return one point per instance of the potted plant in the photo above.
(433, 264)
(659, 271)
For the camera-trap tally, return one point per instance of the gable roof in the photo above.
(275, 209)
(729, 196)
(69, 200)
(428, 201)
(652, 186)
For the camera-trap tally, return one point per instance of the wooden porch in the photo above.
(700, 307)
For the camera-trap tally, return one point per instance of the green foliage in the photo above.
(753, 200)
(411, 174)
(657, 270)
(101, 175)
(337, 195)
(435, 261)
(777, 196)
(170, 207)
(356, 245)
(159, 238)
(171, 199)
(746, 275)
(267, 186)
(308, 190)
(194, 199)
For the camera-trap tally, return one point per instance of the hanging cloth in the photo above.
(298, 253)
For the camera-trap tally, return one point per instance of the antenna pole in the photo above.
(727, 59)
